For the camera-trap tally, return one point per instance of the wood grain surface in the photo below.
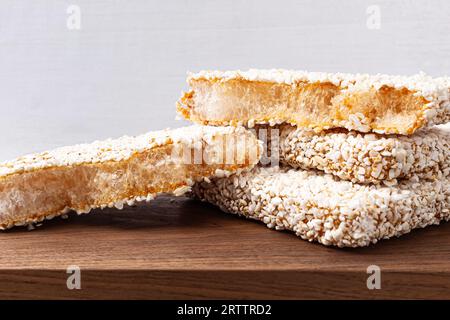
(176, 248)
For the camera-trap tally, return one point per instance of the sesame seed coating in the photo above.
(320, 207)
(114, 149)
(367, 158)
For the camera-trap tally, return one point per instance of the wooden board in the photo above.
(178, 248)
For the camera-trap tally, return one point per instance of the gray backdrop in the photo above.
(123, 70)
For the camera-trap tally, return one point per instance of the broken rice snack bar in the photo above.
(316, 100)
(114, 172)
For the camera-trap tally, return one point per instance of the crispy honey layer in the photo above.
(312, 105)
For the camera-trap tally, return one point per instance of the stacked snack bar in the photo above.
(362, 157)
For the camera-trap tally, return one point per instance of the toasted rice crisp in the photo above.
(367, 157)
(320, 207)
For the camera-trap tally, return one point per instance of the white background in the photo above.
(124, 70)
